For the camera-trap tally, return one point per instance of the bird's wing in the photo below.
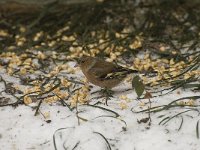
(101, 69)
(117, 72)
(106, 71)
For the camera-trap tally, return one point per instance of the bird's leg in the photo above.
(104, 92)
(107, 93)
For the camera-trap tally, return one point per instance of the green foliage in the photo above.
(138, 86)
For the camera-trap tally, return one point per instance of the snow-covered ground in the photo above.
(99, 129)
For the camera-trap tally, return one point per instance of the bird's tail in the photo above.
(148, 73)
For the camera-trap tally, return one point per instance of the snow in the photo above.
(21, 130)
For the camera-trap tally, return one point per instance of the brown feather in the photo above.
(102, 73)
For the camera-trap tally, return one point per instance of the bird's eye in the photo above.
(82, 61)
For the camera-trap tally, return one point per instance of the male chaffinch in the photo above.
(102, 73)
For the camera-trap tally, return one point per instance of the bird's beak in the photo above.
(76, 65)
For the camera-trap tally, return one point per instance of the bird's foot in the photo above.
(107, 92)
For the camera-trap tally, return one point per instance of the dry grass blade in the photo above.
(197, 129)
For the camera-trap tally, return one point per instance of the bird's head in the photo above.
(84, 62)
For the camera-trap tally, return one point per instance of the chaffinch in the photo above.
(102, 73)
